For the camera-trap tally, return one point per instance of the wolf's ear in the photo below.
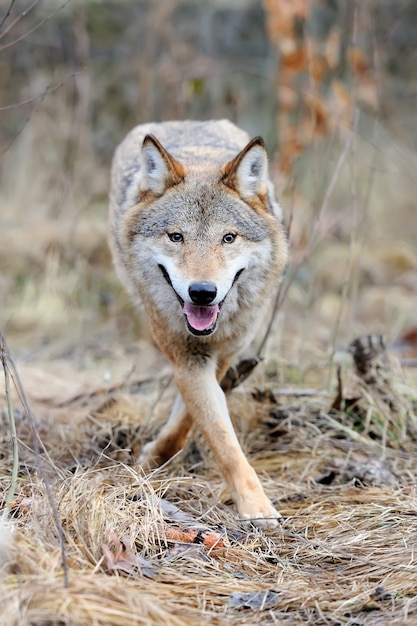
(248, 172)
(160, 169)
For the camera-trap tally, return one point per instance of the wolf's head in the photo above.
(203, 236)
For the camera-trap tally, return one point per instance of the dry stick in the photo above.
(23, 398)
(348, 271)
(359, 230)
(49, 89)
(313, 241)
(300, 393)
(34, 28)
(17, 19)
(162, 390)
(12, 424)
(7, 14)
(278, 300)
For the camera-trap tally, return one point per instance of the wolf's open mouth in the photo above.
(201, 320)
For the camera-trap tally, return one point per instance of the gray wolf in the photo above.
(196, 236)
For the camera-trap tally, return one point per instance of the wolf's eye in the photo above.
(229, 238)
(177, 237)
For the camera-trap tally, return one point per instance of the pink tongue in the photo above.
(201, 317)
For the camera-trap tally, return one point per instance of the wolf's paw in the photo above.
(147, 458)
(264, 517)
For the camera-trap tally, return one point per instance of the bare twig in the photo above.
(17, 19)
(34, 28)
(49, 89)
(7, 14)
(4, 357)
(314, 238)
(300, 393)
(278, 300)
(28, 411)
(40, 99)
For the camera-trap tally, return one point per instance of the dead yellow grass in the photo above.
(344, 555)
(343, 478)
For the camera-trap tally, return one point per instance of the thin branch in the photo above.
(49, 89)
(28, 411)
(18, 18)
(34, 28)
(314, 239)
(40, 98)
(300, 393)
(278, 300)
(4, 357)
(342, 158)
(7, 14)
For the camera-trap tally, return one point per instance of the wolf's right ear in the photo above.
(160, 169)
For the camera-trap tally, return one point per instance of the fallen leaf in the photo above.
(187, 550)
(366, 351)
(381, 595)
(123, 558)
(326, 479)
(19, 506)
(238, 373)
(370, 472)
(260, 601)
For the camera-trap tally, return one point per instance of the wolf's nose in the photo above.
(202, 293)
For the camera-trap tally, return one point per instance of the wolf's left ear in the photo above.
(160, 169)
(248, 172)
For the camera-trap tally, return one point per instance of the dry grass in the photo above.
(343, 479)
(344, 555)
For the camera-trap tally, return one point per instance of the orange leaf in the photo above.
(123, 558)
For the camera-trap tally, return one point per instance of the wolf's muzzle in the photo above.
(200, 314)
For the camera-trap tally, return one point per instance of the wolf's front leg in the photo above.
(170, 439)
(206, 403)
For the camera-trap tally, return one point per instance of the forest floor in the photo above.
(93, 539)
